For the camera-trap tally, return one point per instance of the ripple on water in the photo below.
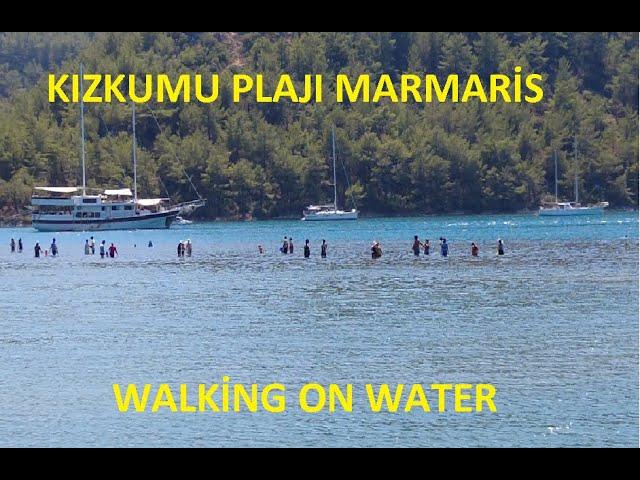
(553, 325)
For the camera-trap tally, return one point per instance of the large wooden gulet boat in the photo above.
(60, 209)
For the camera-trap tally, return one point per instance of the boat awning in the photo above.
(318, 207)
(150, 202)
(58, 189)
(122, 192)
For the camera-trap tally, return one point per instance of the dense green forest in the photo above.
(265, 160)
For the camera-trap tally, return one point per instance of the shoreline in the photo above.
(26, 222)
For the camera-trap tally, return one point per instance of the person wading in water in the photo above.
(416, 246)
(444, 247)
(376, 250)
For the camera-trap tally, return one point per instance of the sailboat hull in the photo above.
(570, 212)
(330, 215)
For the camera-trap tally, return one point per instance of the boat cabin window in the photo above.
(115, 207)
(88, 215)
(128, 207)
(53, 210)
(89, 200)
(102, 209)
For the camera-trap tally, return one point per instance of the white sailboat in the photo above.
(561, 209)
(329, 212)
(58, 209)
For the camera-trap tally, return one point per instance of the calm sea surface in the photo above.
(553, 325)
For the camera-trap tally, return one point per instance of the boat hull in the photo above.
(325, 217)
(140, 222)
(572, 212)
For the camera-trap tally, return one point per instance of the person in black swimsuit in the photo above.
(416, 246)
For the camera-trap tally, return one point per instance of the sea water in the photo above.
(552, 324)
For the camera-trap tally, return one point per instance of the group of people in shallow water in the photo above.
(38, 250)
(13, 245)
(90, 248)
(184, 248)
(287, 247)
(418, 246)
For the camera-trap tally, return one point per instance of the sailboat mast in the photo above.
(84, 174)
(555, 161)
(335, 183)
(575, 153)
(135, 163)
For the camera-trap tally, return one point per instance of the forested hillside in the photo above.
(267, 160)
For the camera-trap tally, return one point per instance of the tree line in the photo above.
(267, 160)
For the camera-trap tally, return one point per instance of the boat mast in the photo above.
(335, 185)
(555, 161)
(575, 153)
(135, 163)
(84, 175)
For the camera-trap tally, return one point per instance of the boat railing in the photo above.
(187, 208)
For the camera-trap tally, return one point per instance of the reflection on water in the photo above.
(553, 325)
